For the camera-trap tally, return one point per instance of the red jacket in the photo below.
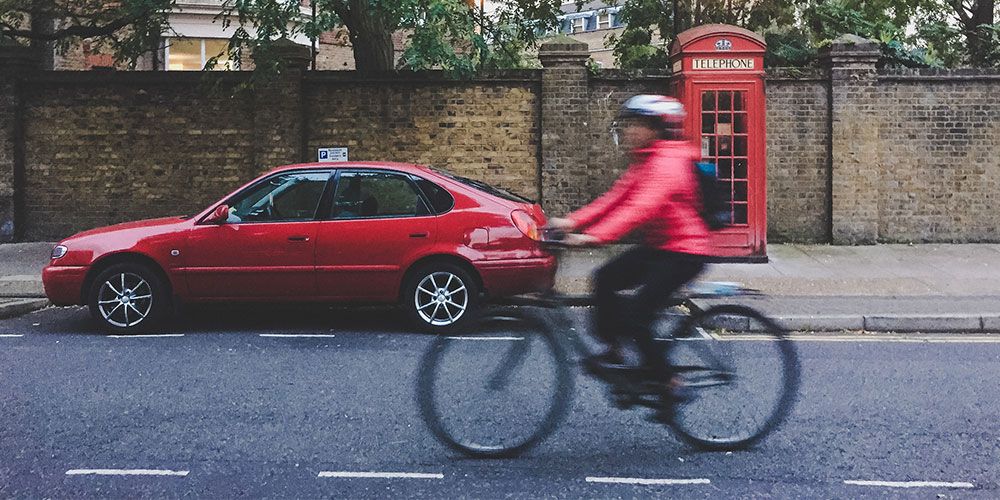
(659, 193)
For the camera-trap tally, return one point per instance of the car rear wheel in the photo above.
(440, 298)
(128, 298)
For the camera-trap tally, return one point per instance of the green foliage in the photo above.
(126, 28)
(913, 33)
(789, 49)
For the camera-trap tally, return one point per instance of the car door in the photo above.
(378, 223)
(266, 247)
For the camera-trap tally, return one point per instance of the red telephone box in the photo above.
(718, 73)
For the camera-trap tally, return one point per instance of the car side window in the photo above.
(289, 197)
(375, 194)
(440, 199)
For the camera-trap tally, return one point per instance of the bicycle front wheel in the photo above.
(741, 376)
(497, 389)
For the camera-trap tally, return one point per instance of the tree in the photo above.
(445, 34)
(129, 28)
(977, 18)
(645, 19)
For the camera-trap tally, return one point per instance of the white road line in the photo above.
(381, 475)
(912, 484)
(646, 481)
(298, 335)
(126, 472)
(158, 335)
(10, 335)
(485, 338)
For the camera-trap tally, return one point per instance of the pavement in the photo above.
(880, 288)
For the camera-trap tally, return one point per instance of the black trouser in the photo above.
(657, 274)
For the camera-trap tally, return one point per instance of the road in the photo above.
(218, 410)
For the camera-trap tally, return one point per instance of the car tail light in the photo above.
(526, 224)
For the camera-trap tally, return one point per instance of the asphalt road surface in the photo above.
(231, 402)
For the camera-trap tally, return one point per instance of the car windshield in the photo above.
(484, 187)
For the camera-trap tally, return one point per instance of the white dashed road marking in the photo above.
(646, 481)
(911, 484)
(10, 335)
(155, 336)
(485, 338)
(381, 475)
(126, 472)
(297, 335)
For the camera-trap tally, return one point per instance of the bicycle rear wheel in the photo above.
(741, 375)
(497, 389)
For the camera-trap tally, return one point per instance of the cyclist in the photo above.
(659, 195)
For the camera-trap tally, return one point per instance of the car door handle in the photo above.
(418, 235)
(298, 238)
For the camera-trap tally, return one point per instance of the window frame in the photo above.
(201, 43)
(610, 22)
(572, 25)
(323, 199)
(327, 211)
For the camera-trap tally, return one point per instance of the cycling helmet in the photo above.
(669, 110)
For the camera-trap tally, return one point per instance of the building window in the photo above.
(579, 24)
(191, 54)
(604, 21)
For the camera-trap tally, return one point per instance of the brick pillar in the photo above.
(854, 146)
(15, 63)
(278, 108)
(565, 101)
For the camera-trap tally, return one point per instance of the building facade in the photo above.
(591, 24)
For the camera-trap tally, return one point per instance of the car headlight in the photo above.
(58, 251)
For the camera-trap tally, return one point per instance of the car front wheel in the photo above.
(128, 298)
(440, 298)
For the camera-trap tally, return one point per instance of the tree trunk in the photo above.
(982, 13)
(42, 24)
(371, 38)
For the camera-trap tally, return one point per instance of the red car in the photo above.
(434, 242)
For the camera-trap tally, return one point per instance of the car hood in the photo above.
(152, 225)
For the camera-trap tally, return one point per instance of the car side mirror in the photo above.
(219, 216)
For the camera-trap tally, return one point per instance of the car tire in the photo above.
(128, 298)
(440, 298)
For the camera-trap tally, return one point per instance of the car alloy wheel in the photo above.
(128, 298)
(441, 298)
(125, 299)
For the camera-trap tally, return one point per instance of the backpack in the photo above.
(715, 196)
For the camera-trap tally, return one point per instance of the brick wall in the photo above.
(938, 155)
(608, 90)
(486, 128)
(854, 155)
(797, 156)
(102, 149)
(8, 106)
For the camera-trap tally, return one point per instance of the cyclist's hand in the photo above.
(580, 240)
(560, 224)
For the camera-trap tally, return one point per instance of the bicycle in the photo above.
(539, 347)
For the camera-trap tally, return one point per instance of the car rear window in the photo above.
(484, 187)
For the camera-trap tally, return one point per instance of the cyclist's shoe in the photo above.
(676, 394)
(610, 359)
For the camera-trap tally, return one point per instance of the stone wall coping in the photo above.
(796, 74)
(139, 77)
(937, 74)
(437, 77)
(615, 74)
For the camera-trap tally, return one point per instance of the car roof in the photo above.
(409, 168)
